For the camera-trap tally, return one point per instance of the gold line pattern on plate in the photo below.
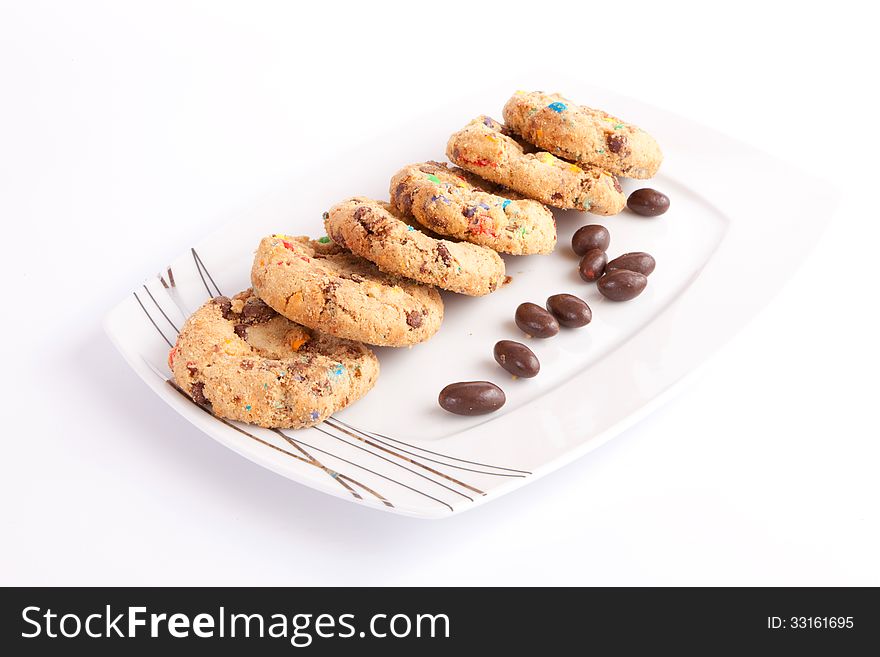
(307, 458)
(339, 427)
(378, 442)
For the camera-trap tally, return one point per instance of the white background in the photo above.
(130, 130)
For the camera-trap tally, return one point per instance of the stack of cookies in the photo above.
(290, 351)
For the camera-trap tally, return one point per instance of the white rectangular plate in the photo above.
(739, 222)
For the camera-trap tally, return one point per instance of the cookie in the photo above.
(582, 134)
(443, 200)
(253, 365)
(370, 229)
(483, 147)
(326, 288)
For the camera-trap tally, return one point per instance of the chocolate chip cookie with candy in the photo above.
(376, 231)
(320, 285)
(581, 134)
(445, 200)
(484, 148)
(253, 365)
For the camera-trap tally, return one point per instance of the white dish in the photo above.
(739, 222)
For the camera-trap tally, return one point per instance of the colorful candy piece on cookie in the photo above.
(372, 230)
(484, 148)
(443, 200)
(248, 363)
(587, 136)
(322, 286)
